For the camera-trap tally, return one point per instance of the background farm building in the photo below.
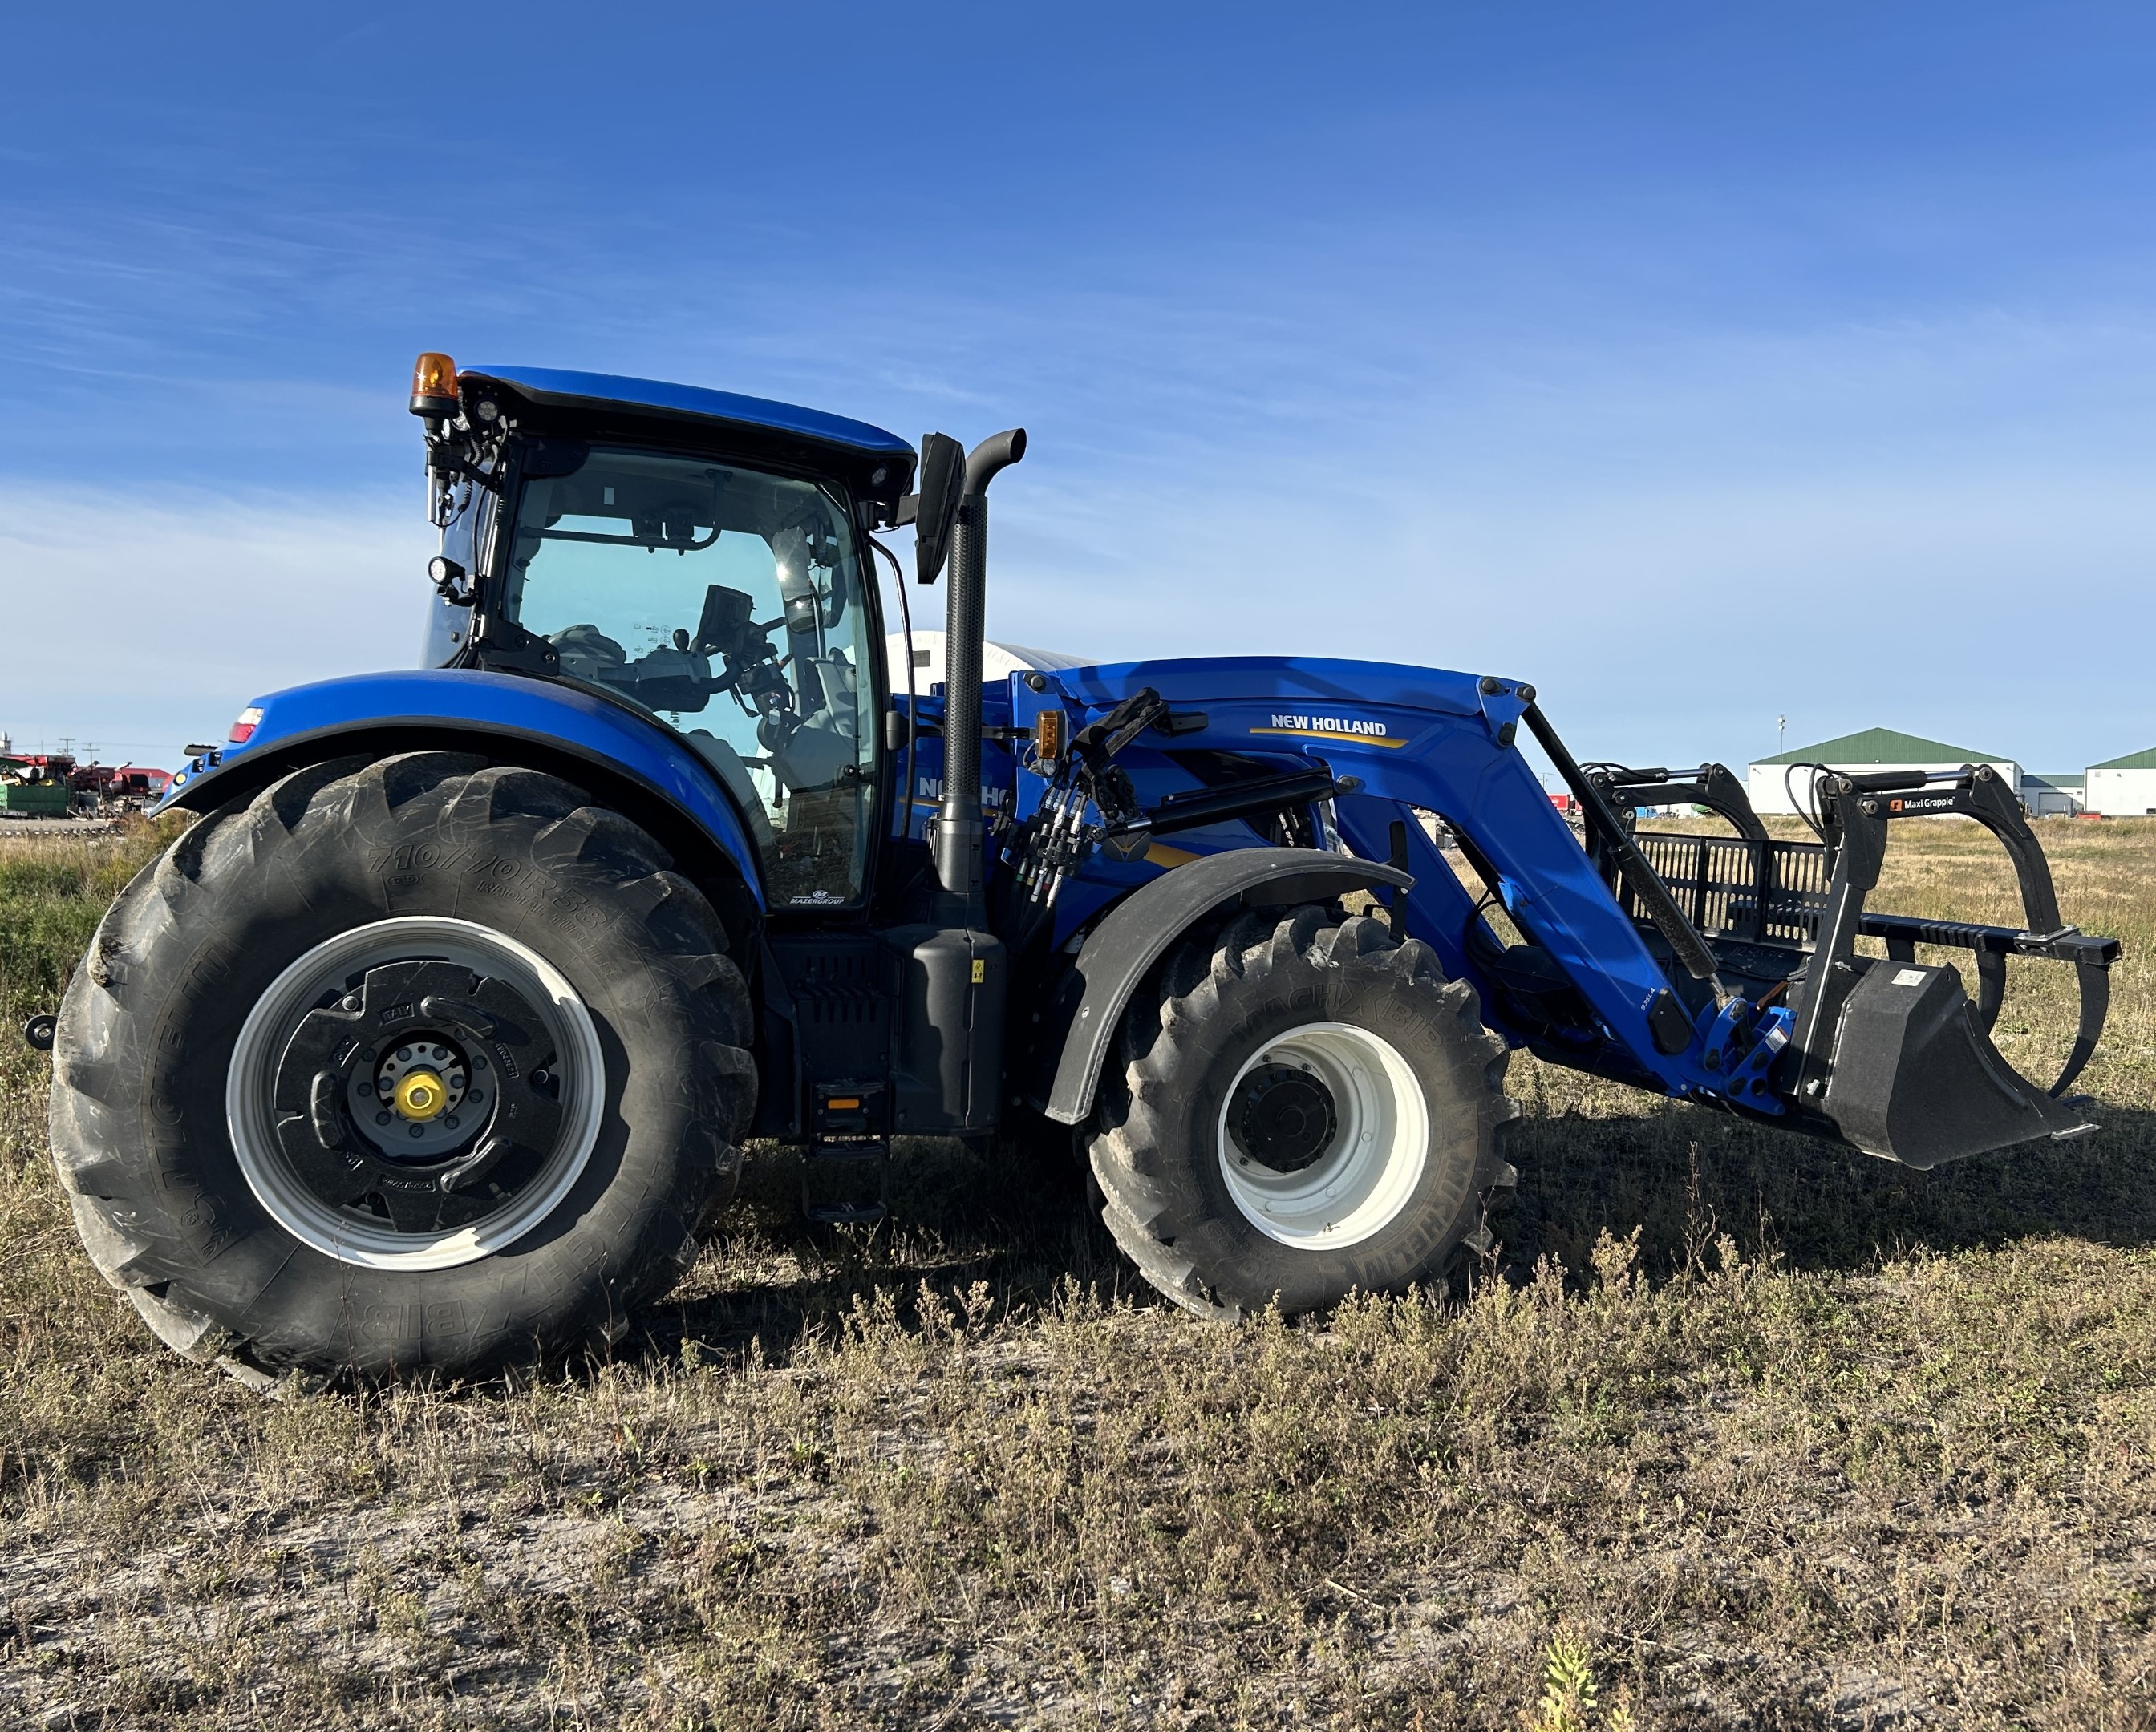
(1784, 782)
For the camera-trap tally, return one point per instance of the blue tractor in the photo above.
(433, 1043)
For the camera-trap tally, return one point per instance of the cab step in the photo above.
(846, 1181)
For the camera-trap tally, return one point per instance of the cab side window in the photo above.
(727, 602)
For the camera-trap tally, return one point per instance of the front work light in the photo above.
(434, 387)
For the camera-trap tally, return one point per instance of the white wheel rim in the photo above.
(1371, 1165)
(251, 1084)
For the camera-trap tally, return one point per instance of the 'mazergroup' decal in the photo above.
(1331, 727)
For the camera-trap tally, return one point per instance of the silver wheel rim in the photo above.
(251, 1084)
(1373, 1160)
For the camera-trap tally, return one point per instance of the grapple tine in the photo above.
(1991, 988)
(2095, 1005)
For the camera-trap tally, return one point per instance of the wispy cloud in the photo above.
(1945, 526)
(1702, 366)
(152, 621)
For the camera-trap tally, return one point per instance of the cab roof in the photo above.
(725, 410)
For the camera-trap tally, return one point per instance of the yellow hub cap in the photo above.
(420, 1094)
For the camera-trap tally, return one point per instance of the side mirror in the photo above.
(942, 480)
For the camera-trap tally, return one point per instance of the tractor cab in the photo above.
(700, 557)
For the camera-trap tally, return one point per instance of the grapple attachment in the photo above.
(1887, 1055)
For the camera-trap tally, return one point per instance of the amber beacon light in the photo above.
(434, 387)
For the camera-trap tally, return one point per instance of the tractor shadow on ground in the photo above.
(1015, 1217)
(1019, 1220)
(1683, 1175)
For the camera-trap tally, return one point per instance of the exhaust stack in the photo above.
(950, 1050)
(958, 833)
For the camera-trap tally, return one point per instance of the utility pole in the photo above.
(1781, 731)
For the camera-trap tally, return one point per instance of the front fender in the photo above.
(452, 709)
(1136, 933)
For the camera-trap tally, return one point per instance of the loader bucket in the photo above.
(1915, 1079)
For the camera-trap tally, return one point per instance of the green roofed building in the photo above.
(1774, 781)
(2124, 787)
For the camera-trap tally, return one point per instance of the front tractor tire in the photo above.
(1304, 1107)
(419, 1064)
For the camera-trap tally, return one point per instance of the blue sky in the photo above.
(1701, 364)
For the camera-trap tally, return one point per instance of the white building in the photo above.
(1778, 783)
(2051, 795)
(998, 661)
(2124, 787)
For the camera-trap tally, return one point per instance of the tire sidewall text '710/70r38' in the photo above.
(461, 990)
(1302, 1107)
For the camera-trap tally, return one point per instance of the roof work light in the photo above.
(434, 387)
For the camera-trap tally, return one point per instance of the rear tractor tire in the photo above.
(412, 1065)
(1304, 1107)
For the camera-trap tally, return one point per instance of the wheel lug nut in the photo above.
(351, 1004)
(382, 1118)
(450, 1123)
(419, 1130)
(403, 1054)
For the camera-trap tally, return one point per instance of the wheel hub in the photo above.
(413, 1097)
(1283, 1116)
(421, 1095)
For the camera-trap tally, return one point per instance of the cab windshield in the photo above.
(728, 602)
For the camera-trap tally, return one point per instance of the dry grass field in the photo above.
(1735, 1430)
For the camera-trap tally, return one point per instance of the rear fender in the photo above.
(1081, 1021)
(634, 766)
